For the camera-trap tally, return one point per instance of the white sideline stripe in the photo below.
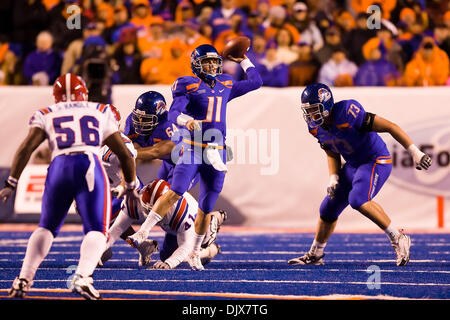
(249, 281)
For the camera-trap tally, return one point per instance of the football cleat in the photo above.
(207, 254)
(195, 262)
(307, 259)
(20, 288)
(401, 245)
(83, 287)
(137, 239)
(146, 249)
(214, 227)
(105, 257)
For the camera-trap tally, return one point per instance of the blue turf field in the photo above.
(251, 266)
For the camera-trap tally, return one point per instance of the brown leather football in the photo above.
(236, 47)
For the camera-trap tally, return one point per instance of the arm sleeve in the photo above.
(253, 82)
(110, 123)
(37, 120)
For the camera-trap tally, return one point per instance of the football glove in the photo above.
(161, 265)
(421, 160)
(331, 189)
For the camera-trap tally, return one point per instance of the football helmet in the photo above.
(317, 103)
(150, 108)
(151, 192)
(206, 51)
(70, 87)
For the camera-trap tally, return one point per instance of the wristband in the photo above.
(182, 119)
(11, 182)
(130, 185)
(246, 63)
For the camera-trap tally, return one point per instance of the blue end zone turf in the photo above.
(251, 266)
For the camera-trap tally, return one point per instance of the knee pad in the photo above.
(355, 200)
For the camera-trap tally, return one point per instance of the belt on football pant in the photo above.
(203, 145)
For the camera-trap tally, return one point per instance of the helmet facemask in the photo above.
(314, 114)
(143, 123)
(201, 69)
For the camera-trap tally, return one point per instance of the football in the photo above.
(236, 47)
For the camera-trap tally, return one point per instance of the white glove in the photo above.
(332, 185)
(421, 160)
(118, 191)
(161, 265)
(229, 151)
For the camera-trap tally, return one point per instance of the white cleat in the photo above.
(83, 287)
(401, 246)
(207, 254)
(146, 249)
(20, 288)
(195, 262)
(217, 220)
(137, 239)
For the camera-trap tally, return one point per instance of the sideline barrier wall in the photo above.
(278, 176)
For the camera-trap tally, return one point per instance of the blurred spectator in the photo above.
(43, 65)
(8, 62)
(141, 14)
(338, 71)
(355, 39)
(390, 48)
(255, 23)
(112, 33)
(276, 21)
(377, 71)
(332, 40)
(73, 52)
(177, 64)
(263, 8)
(105, 13)
(184, 12)
(417, 6)
(128, 58)
(303, 71)
(412, 42)
(359, 6)
(442, 37)
(345, 22)
(436, 10)
(58, 17)
(447, 18)
(274, 72)
(221, 18)
(228, 34)
(96, 68)
(286, 49)
(192, 37)
(154, 44)
(429, 67)
(29, 18)
(309, 33)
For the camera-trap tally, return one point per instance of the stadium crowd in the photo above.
(294, 43)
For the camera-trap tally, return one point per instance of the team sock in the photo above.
(91, 250)
(37, 249)
(122, 222)
(317, 248)
(391, 232)
(152, 219)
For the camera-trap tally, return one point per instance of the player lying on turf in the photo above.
(178, 225)
(346, 129)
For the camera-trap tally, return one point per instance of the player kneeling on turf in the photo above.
(178, 225)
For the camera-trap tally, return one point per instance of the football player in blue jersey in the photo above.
(199, 106)
(345, 129)
(152, 135)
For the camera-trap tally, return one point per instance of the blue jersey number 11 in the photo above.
(212, 105)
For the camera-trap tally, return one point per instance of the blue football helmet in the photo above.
(317, 103)
(149, 110)
(206, 51)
